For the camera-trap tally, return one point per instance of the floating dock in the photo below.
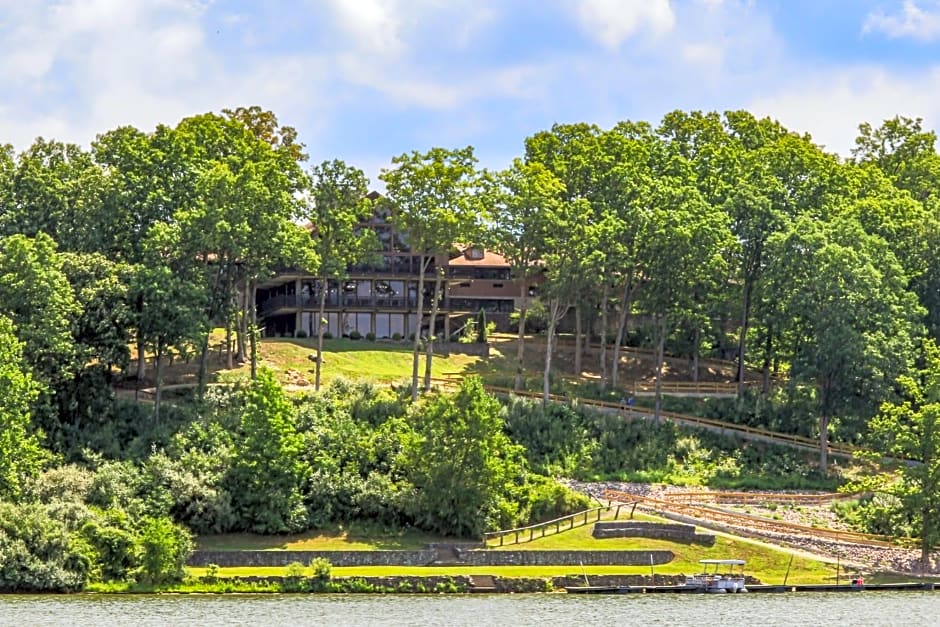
(822, 587)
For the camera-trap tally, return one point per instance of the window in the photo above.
(474, 252)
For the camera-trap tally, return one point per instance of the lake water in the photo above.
(848, 609)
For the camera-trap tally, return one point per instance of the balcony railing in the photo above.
(300, 301)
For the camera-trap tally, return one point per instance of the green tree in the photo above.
(909, 429)
(20, 454)
(463, 467)
(267, 471)
(55, 188)
(687, 258)
(35, 294)
(336, 207)
(847, 318)
(432, 196)
(523, 194)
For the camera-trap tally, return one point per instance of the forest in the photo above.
(709, 236)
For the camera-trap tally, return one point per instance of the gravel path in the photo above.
(872, 558)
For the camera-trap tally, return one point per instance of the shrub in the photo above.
(396, 336)
(300, 334)
(370, 336)
(355, 335)
(321, 569)
(327, 335)
(164, 549)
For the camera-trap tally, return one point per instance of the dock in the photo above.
(761, 588)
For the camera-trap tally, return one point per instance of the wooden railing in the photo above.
(551, 527)
(745, 431)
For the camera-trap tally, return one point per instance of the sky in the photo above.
(365, 80)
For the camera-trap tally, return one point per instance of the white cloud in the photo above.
(912, 21)
(82, 67)
(611, 22)
(830, 105)
(372, 25)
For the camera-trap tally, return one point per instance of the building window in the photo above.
(474, 252)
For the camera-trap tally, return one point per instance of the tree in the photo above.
(432, 195)
(267, 471)
(20, 454)
(688, 240)
(572, 152)
(171, 314)
(909, 429)
(56, 187)
(524, 194)
(463, 467)
(336, 207)
(36, 296)
(904, 151)
(845, 314)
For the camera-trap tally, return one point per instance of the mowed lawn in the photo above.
(361, 360)
(765, 562)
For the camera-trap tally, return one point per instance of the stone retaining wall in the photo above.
(428, 557)
(336, 558)
(659, 531)
(566, 558)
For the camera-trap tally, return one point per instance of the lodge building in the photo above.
(380, 299)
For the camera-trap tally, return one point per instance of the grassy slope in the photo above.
(379, 362)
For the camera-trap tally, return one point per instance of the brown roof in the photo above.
(490, 259)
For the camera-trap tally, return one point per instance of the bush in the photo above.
(327, 335)
(370, 336)
(321, 569)
(355, 335)
(38, 553)
(396, 336)
(300, 334)
(164, 549)
(547, 499)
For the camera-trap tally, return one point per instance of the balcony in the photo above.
(312, 302)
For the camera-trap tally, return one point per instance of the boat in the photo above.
(718, 576)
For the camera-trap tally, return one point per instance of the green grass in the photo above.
(378, 362)
(355, 537)
(763, 561)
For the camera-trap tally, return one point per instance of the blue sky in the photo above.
(364, 80)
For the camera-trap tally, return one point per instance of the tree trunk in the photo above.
(577, 342)
(604, 298)
(660, 357)
(253, 330)
(549, 342)
(159, 383)
(742, 340)
(768, 348)
(520, 342)
(416, 354)
(229, 344)
(429, 348)
(324, 285)
(244, 314)
(141, 360)
(203, 367)
(696, 338)
(823, 443)
(626, 305)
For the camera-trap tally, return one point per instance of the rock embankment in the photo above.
(878, 558)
